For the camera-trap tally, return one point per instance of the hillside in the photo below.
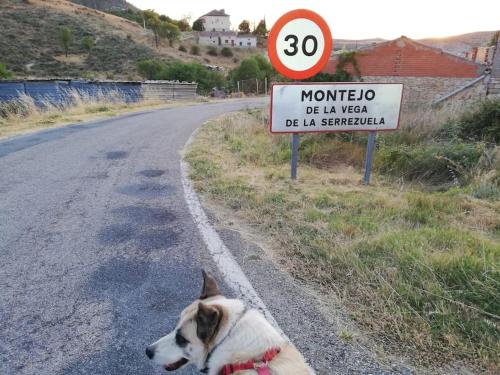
(456, 44)
(30, 42)
(105, 4)
(350, 44)
(459, 44)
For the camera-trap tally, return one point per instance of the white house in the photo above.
(216, 20)
(246, 41)
(227, 39)
(218, 32)
(218, 38)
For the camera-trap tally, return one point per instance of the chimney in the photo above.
(495, 63)
(474, 54)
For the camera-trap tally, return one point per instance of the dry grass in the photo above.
(23, 116)
(101, 25)
(418, 271)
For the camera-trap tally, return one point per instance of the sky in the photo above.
(355, 19)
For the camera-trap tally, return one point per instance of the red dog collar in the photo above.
(261, 366)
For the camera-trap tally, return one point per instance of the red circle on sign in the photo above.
(273, 38)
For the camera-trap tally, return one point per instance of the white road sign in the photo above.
(335, 107)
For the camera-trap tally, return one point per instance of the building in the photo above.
(227, 39)
(429, 74)
(246, 41)
(216, 20)
(217, 25)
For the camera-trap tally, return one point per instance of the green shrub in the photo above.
(195, 50)
(182, 48)
(4, 73)
(226, 52)
(433, 163)
(151, 68)
(481, 123)
(487, 190)
(212, 51)
(195, 72)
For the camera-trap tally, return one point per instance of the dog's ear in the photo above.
(207, 321)
(210, 287)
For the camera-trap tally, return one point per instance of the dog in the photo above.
(222, 336)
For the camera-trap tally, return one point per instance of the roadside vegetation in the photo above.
(414, 257)
(254, 67)
(23, 115)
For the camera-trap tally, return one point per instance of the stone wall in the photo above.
(422, 91)
(468, 96)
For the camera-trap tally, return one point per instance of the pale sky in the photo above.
(355, 19)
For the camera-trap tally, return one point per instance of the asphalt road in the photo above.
(99, 254)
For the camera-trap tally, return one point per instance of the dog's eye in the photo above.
(180, 340)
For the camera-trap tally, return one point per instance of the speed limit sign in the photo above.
(300, 43)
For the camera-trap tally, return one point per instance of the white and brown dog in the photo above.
(221, 336)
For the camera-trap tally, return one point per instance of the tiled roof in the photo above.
(218, 13)
(217, 33)
(406, 58)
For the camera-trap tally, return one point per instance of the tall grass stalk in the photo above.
(24, 114)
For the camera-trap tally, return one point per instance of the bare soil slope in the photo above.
(30, 42)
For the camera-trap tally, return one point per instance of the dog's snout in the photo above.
(150, 352)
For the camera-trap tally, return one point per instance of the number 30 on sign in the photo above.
(300, 44)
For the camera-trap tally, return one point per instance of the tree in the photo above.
(148, 16)
(261, 29)
(198, 25)
(88, 43)
(244, 27)
(65, 39)
(152, 21)
(494, 39)
(265, 67)
(248, 69)
(183, 24)
(170, 31)
(4, 73)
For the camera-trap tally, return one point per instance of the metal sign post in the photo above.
(372, 136)
(299, 47)
(295, 155)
